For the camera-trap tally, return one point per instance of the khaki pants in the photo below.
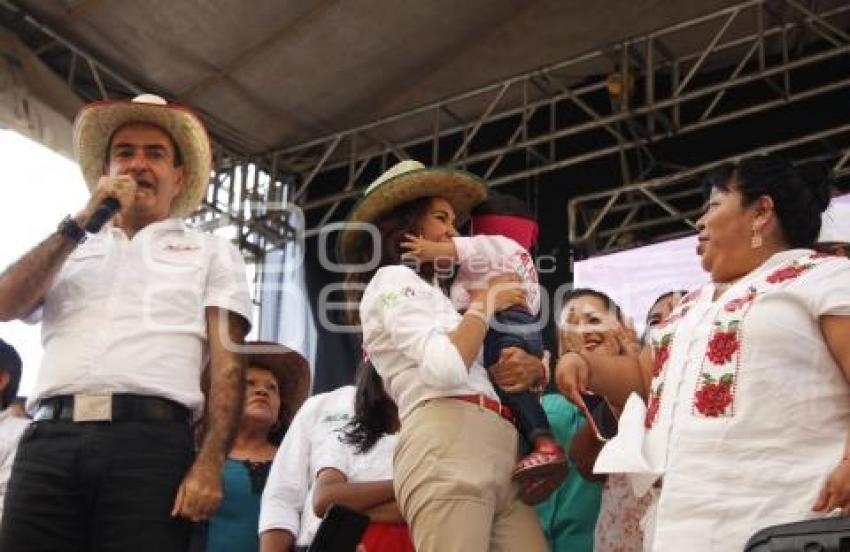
(452, 479)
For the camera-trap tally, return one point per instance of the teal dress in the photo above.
(234, 526)
(568, 516)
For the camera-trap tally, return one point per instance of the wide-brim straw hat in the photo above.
(97, 122)
(406, 181)
(289, 367)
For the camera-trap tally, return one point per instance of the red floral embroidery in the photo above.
(691, 296)
(652, 409)
(722, 346)
(740, 302)
(714, 397)
(786, 273)
(661, 355)
(824, 254)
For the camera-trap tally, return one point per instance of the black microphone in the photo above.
(105, 211)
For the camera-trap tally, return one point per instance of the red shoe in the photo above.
(542, 471)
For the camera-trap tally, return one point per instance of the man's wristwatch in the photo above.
(71, 230)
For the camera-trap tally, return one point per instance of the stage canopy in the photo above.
(269, 74)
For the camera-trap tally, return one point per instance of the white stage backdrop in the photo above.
(636, 277)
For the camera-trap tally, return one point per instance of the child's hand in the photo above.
(419, 248)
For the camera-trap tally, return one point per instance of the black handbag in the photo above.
(817, 535)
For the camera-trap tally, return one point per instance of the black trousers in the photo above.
(97, 486)
(516, 328)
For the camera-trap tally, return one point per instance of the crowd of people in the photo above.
(154, 425)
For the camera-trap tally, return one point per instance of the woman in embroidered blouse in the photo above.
(456, 448)
(277, 381)
(741, 401)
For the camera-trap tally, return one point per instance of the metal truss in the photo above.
(615, 102)
(653, 87)
(668, 207)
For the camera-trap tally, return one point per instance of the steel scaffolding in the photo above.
(612, 103)
(605, 221)
(658, 86)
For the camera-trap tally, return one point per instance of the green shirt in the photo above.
(568, 516)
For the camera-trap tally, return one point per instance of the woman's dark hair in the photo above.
(503, 204)
(375, 413)
(609, 303)
(665, 295)
(401, 220)
(10, 362)
(799, 195)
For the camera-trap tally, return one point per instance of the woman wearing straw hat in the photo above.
(457, 446)
(277, 381)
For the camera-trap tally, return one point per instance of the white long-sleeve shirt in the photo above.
(406, 322)
(288, 495)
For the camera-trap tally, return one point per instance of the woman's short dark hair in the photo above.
(799, 195)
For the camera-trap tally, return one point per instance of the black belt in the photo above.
(125, 408)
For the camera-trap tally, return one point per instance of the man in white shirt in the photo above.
(11, 427)
(129, 316)
(286, 513)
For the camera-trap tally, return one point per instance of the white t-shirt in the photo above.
(483, 257)
(11, 429)
(287, 501)
(376, 464)
(406, 322)
(128, 316)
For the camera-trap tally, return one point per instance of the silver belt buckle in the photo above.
(93, 408)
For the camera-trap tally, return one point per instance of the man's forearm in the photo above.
(24, 284)
(227, 386)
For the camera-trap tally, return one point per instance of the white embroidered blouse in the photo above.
(748, 412)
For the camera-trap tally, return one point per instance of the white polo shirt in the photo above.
(288, 496)
(127, 316)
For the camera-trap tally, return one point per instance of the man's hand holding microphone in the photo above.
(112, 194)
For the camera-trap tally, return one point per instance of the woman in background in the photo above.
(277, 381)
(355, 469)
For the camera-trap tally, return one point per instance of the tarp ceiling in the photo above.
(274, 73)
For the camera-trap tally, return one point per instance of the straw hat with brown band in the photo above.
(97, 122)
(406, 181)
(290, 369)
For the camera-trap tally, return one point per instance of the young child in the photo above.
(503, 231)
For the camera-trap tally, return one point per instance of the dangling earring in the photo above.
(756, 242)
